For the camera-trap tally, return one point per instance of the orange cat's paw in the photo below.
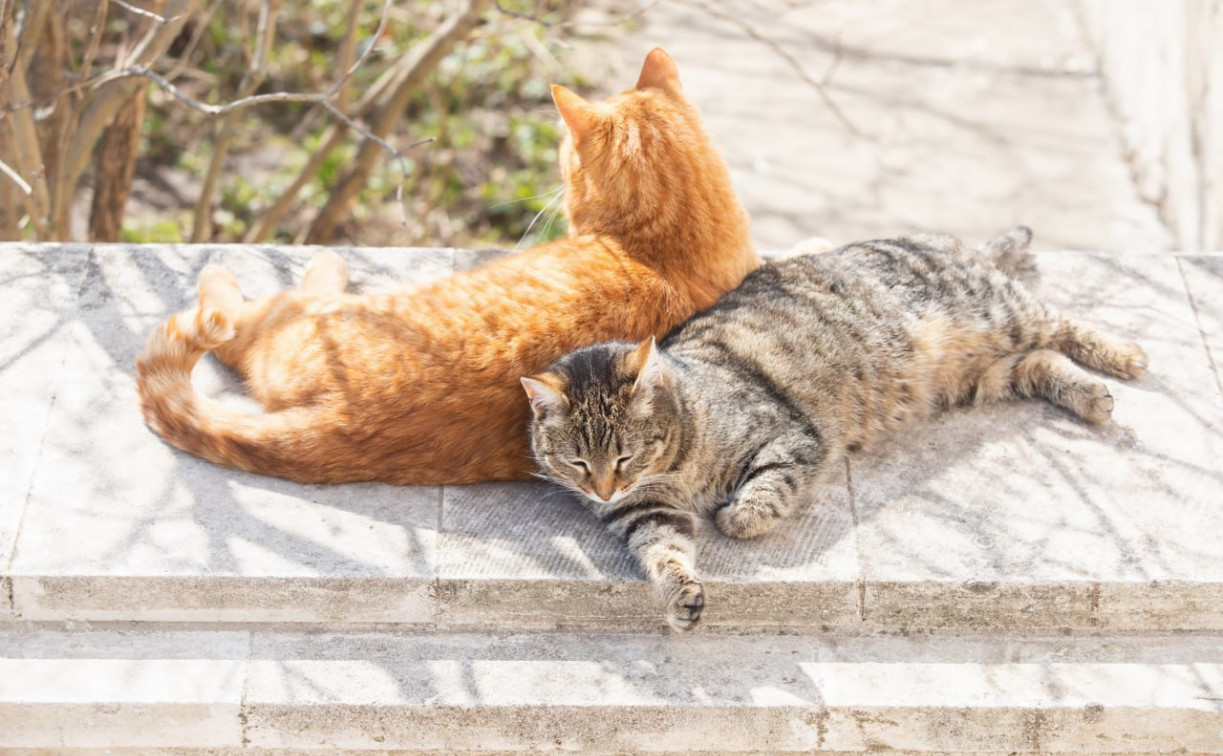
(219, 291)
(684, 607)
(327, 273)
(217, 275)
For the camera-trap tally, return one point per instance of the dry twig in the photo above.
(420, 61)
(223, 131)
(16, 177)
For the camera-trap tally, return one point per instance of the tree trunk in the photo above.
(113, 166)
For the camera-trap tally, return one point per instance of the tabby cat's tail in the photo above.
(197, 424)
(1010, 252)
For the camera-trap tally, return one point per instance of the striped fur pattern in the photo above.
(744, 409)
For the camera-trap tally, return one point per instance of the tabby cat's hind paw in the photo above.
(685, 605)
(746, 518)
(1094, 403)
(1132, 361)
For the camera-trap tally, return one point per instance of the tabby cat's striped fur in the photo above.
(747, 406)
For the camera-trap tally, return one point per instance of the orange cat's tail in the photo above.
(194, 423)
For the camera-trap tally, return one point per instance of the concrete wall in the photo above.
(1162, 63)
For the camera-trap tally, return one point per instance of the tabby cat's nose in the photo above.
(605, 490)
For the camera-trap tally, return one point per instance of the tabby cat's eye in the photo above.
(581, 465)
(622, 461)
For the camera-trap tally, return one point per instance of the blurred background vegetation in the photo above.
(487, 175)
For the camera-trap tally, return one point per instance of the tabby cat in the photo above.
(749, 405)
(421, 386)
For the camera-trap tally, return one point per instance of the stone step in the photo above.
(125, 688)
(1008, 518)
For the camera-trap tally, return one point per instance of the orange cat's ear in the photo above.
(645, 360)
(659, 72)
(544, 392)
(578, 114)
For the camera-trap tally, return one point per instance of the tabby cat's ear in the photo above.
(579, 116)
(545, 395)
(645, 360)
(659, 72)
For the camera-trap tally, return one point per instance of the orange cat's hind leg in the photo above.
(327, 273)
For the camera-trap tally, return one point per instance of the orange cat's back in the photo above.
(421, 387)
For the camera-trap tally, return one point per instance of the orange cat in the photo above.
(421, 387)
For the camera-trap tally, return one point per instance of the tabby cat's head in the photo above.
(642, 154)
(605, 419)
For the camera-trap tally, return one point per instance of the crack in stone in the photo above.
(1197, 317)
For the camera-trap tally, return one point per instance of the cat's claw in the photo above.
(1135, 364)
(685, 608)
(1097, 404)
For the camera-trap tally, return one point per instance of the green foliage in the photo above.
(486, 175)
(156, 232)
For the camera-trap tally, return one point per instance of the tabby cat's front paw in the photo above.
(684, 605)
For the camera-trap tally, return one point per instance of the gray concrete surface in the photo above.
(1012, 518)
(600, 693)
(975, 115)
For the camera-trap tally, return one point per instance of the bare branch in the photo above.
(21, 137)
(263, 227)
(12, 174)
(6, 10)
(58, 121)
(95, 40)
(213, 110)
(348, 47)
(201, 26)
(611, 20)
(223, 130)
(367, 134)
(105, 101)
(245, 102)
(268, 219)
(140, 11)
(523, 16)
(114, 164)
(30, 33)
(422, 59)
(369, 50)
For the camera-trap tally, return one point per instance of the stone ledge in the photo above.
(605, 693)
(1005, 518)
